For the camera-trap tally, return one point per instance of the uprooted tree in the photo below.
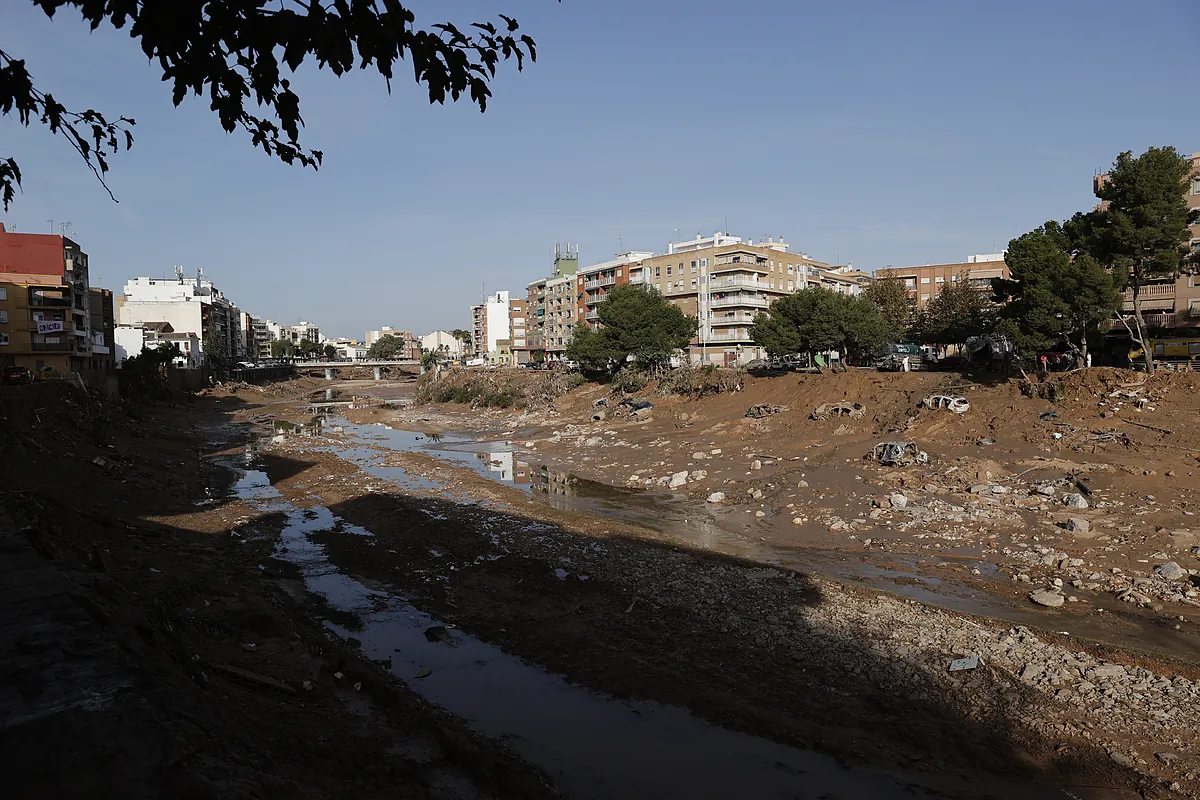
(234, 51)
(635, 321)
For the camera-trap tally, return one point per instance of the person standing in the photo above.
(1087, 360)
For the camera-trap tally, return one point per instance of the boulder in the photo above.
(1170, 571)
(1047, 597)
(698, 475)
(1075, 500)
(1046, 490)
(716, 497)
(678, 479)
(898, 500)
(1079, 525)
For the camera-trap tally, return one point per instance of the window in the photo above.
(1195, 185)
(3, 293)
(668, 269)
(924, 280)
(939, 279)
(693, 283)
(658, 271)
(3, 316)
(954, 279)
(790, 286)
(704, 262)
(618, 273)
(924, 298)
(3, 338)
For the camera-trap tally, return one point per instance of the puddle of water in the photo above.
(593, 746)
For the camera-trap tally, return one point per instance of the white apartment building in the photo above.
(190, 304)
(443, 341)
(302, 332)
(489, 323)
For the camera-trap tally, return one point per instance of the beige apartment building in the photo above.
(924, 282)
(724, 282)
(594, 282)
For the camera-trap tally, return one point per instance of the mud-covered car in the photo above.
(827, 410)
(955, 403)
(897, 454)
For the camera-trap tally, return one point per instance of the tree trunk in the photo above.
(1147, 348)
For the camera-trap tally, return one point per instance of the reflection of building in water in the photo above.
(500, 461)
(555, 481)
(522, 474)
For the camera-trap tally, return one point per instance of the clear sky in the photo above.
(871, 132)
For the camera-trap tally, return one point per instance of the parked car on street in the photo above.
(16, 376)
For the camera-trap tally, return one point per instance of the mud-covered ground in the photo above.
(782, 652)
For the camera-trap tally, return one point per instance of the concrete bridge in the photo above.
(331, 366)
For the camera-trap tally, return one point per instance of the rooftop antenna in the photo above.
(64, 228)
(51, 225)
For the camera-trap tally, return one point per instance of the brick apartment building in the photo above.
(924, 282)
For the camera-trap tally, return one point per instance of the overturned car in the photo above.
(827, 410)
(955, 403)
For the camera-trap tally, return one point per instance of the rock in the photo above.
(898, 500)
(839, 525)
(592, 442)
(716, 451)
(980, 488)
(1170, 571)
(1075, 500)
(716, 497)
(802, 484)
(1079, 525)
(698, 475)
(756, 464)
(797, 521)
(1046, 490)
(756, 494)
(760, 513)
(699, 455)
(678, 479)
(1046, 597)
(1106, 672)
(996, 488)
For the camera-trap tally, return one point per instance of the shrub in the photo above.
(629, 379)
(695, 382)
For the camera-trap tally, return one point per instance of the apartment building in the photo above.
(443, 341)
(594, 282)
(410, 347)
(45, 304)
(924, 282)
(724, 282)
(518, 324)
(191, 304)
(547, 329)
(489, 323)
(304, 331)
(1168, 303)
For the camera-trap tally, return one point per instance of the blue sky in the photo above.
(868, 131)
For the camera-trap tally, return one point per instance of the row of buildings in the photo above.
(723, 281)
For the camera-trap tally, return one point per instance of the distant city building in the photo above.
(489, 323)
(924, 282)
(410, 349)
(302, 332)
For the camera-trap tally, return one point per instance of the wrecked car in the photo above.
(764, 410)
(827, 410)
(897, 454)
(955, 403)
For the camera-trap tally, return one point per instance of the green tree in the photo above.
(306, 348)
(1142, 232)
(432, 361)
(817, 319)
(387, 347)
(145, 374)
(282, 348)
(234, 52)
(635, 321)
(330, 352)
(1055, 290)
(956, 313)
(890, 296)
(216, 354)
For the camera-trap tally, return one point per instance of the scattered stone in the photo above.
(980, 488)
(797, 521)
(699, 455)
(716, 451)
(756, 464)
(802, 484)
(1048, 598)
(760, 513)
(1079, 525)
(716, 497)
(698, 475)
(1075, 500)
(1046, 490)
(678, 479)
(898, 500)
(1170, 571)
(960, 664)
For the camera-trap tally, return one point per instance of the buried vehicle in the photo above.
(955, 403)
(827, 410)
(897, 454)
(764, 410)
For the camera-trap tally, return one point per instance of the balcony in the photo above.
(742, 301)
(735, 282)
(732, 319)
(727, 337)
(592, 315)
(51, 347)
(600, 283)
(49, 298)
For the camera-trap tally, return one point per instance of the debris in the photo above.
(1046, 490)
(716, 497)
(103, 463)
(827, 410)
(423, 672)
(898, 454)
(1048, 415)
(358, 686)
(761, 411)
(678, 479)
(955, 403)
(253, 677)
(756, 464)
(307, 686)
(898, 500)
(1047, 597)
(1151, 427)
(960, 664)
(561, 573)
